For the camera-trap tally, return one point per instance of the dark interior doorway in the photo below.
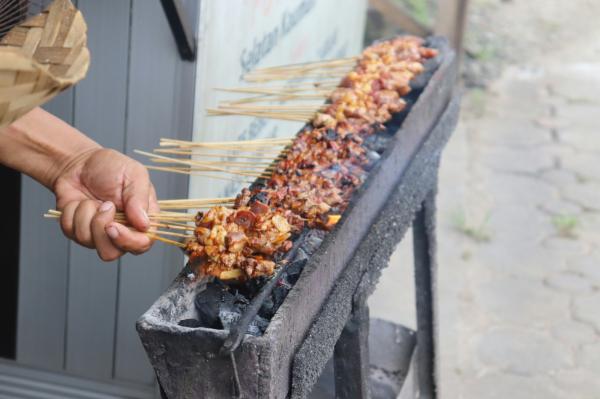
(9, 251)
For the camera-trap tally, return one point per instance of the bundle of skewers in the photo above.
(296, 183)
(170, 221)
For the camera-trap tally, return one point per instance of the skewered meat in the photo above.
(313, 182)
(227, 239)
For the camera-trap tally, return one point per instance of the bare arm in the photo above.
(90, 182)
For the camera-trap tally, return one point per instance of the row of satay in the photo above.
(313, 181)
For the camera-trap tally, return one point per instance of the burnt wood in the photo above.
(288, 359)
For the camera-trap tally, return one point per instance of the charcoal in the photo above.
(280, 292)
(373, 156)
(257, 185)
(312, 241)
(267, 310)
(240, 299)
(207, 303)
(192, 323)
(331, 134)
(258, 326)
(294, 269)
(301, 256)
(230, 313)
(261, 196)
(250, 288)
(377, 142)
(346, 182)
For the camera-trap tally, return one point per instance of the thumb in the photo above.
(136, 194)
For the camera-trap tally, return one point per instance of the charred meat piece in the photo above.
(313, 181)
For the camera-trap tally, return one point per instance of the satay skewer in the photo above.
(264, 141)
(155, 234)
(190, 170)
(184, 172)
(287, 76)
(166, 240)
(195, 153)
(268, 115)
(242, 166)
(309, 64)
(193, 163)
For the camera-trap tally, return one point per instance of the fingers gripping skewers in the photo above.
(163, 223)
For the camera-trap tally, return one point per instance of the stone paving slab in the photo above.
(519, 226)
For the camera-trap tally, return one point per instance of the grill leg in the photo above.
(351, 356)
(424, 248)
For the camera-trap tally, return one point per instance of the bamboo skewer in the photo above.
(238, 146)
(173, 234)
(276, 98)
(287, 76)
(187, 171)
(309, 64)
(272, 90)
(275, 107)
(288, 117)
(192, 170)
(191, 201)
(232, 143)
(204, 166)
(166, 240)
(324, 70)
(120, 216)
(155, 235)
(269, 77)
(192, 152)
(173, 226)
(184, 172)
(241, 172)
(241, 165)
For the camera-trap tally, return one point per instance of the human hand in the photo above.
(91, 187)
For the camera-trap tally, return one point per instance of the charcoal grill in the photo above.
(323, 324)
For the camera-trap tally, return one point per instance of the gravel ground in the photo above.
(519, 211)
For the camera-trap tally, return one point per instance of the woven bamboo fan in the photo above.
(41, 57)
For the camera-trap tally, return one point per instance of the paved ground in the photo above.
(519, 234)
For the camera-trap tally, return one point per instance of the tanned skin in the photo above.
(90, 182)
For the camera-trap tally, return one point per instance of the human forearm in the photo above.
(42, 146)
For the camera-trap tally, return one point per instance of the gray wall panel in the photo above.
(157, 76)
(99, 113)
(43, 270)
(76, 313)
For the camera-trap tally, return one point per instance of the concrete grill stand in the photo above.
(325, 314)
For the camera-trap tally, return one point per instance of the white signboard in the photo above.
(238, 36)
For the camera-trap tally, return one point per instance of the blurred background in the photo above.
(519, 202)
(519, 197)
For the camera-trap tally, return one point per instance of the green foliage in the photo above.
(485, 53)
(565, 225)
(477, 99)
(419, 9)
(477, 232)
